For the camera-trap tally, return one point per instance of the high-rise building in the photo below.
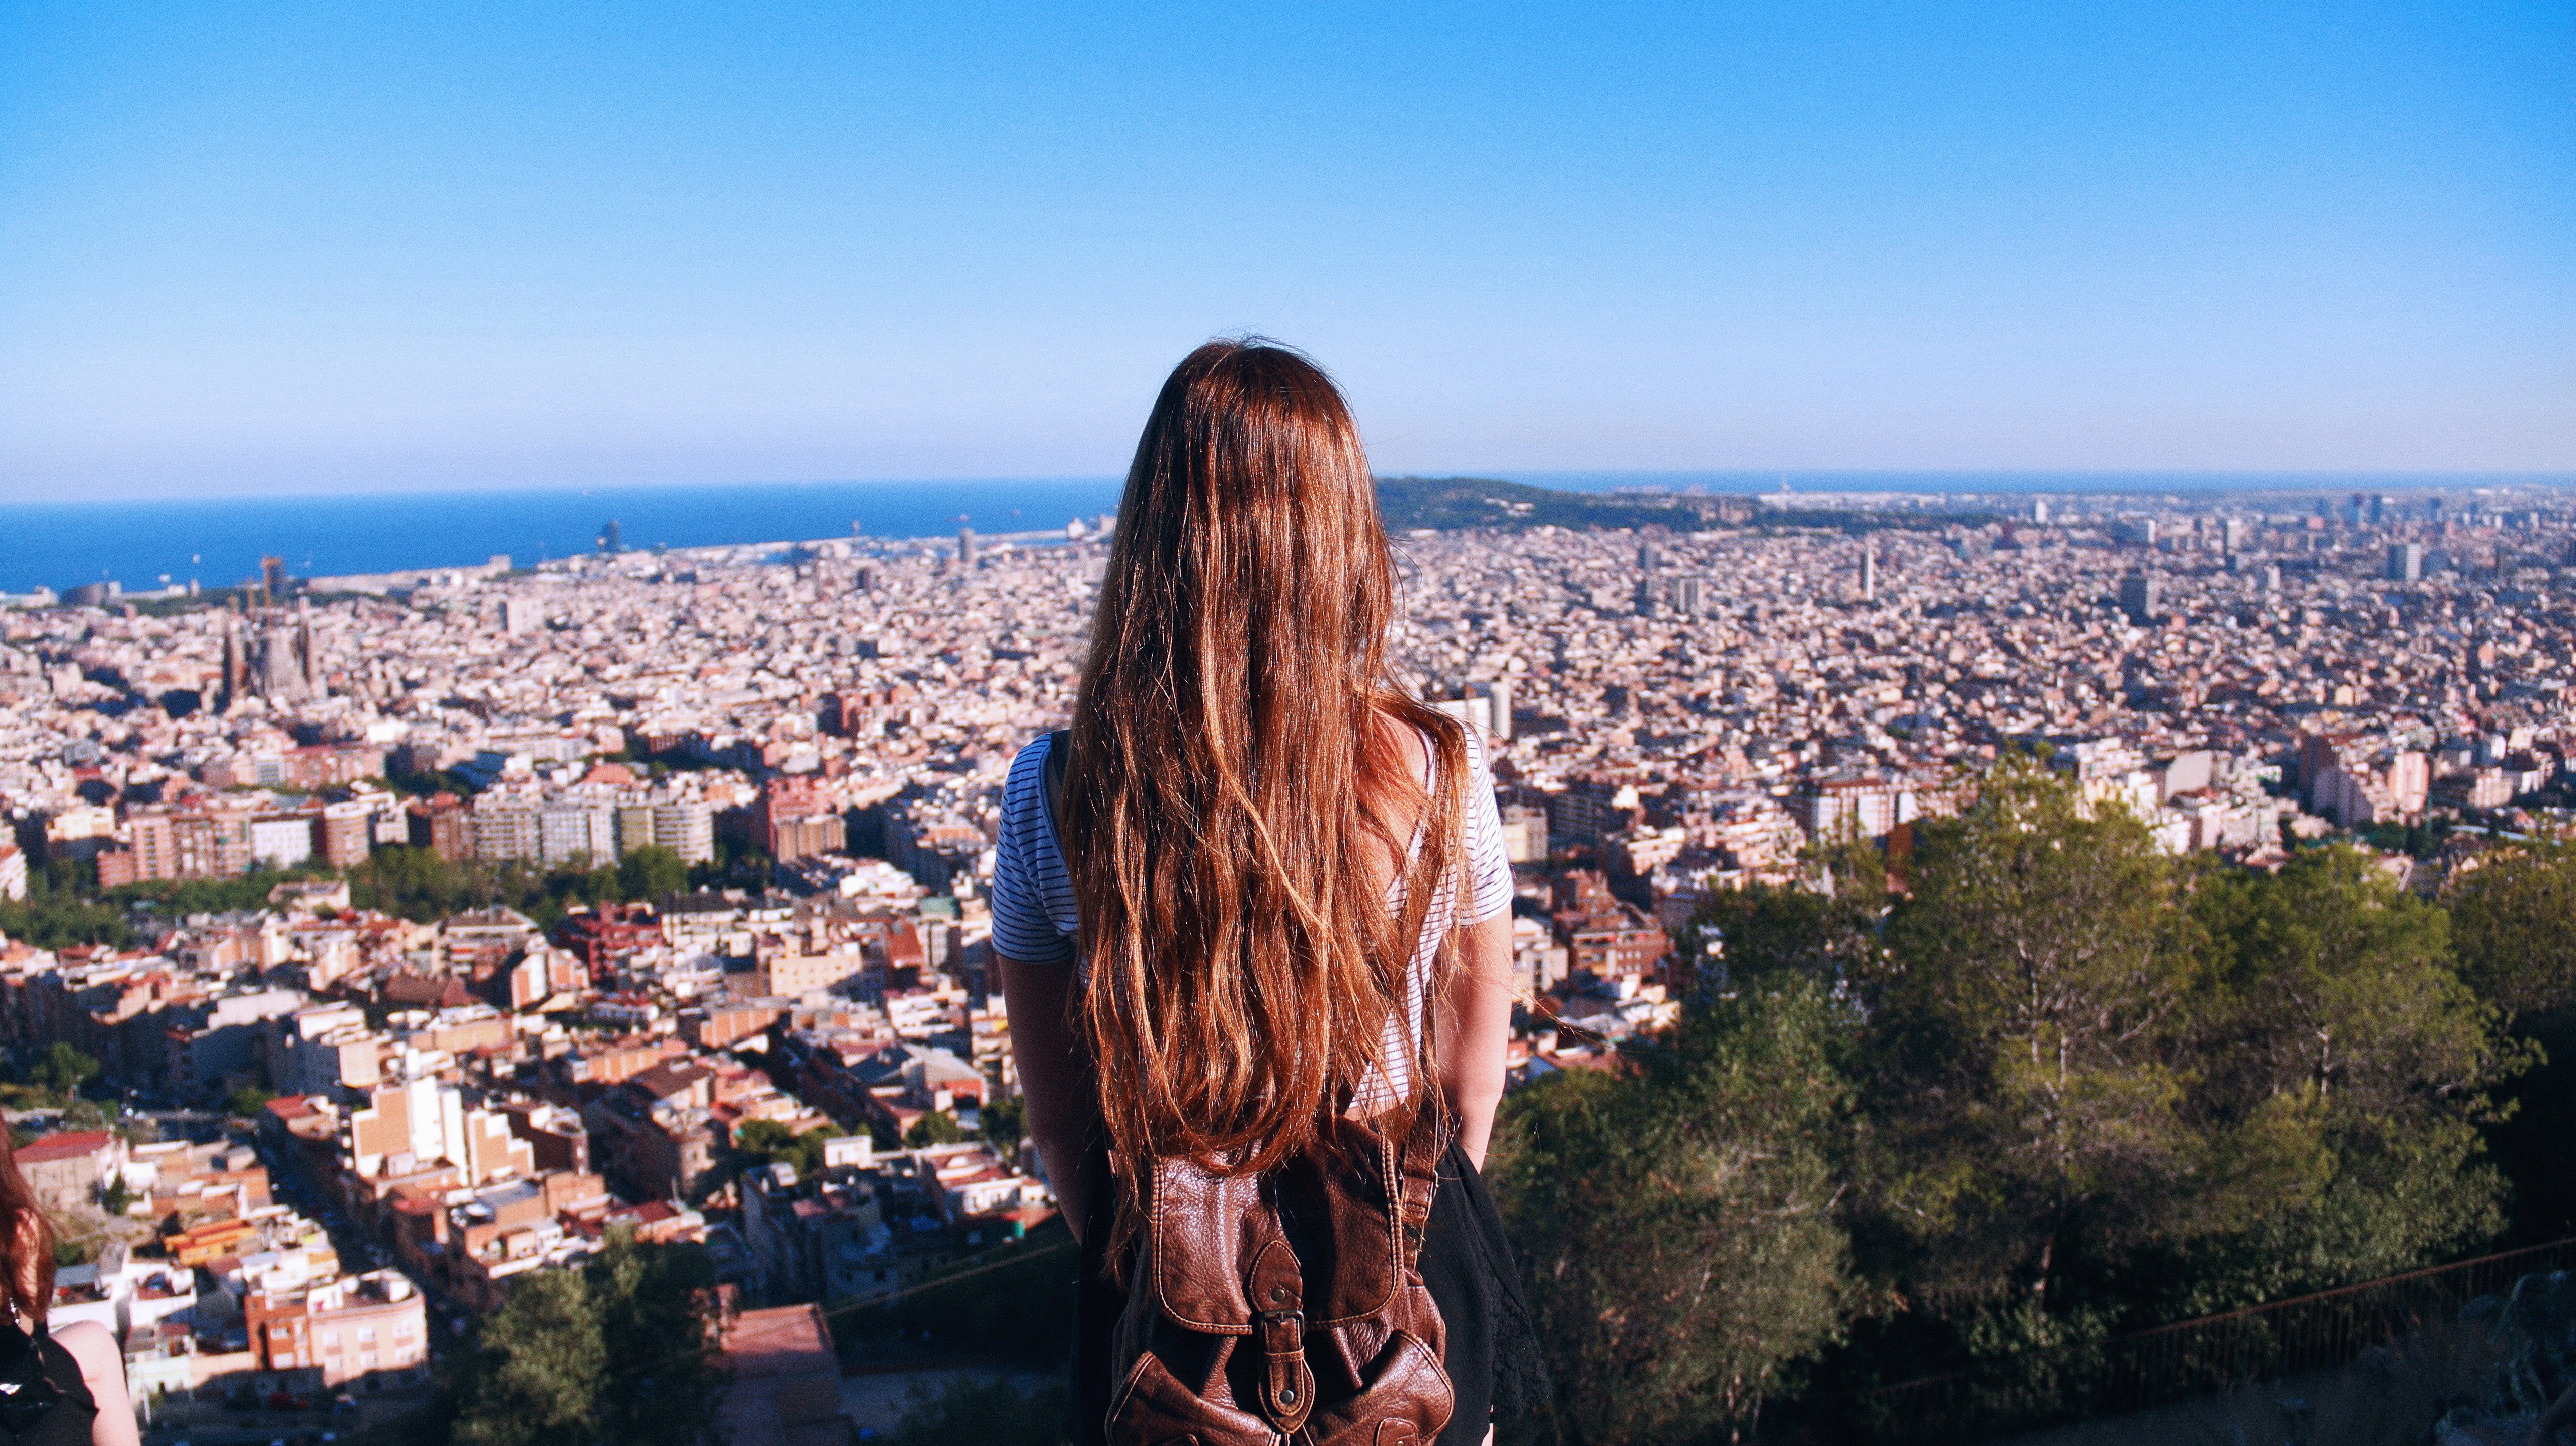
(2231, 536)
(272, 577)
(2039, 511)
(346, 832)
(1690, 596)
(612, 538)
(2141, 597)
(2405, 561)
(1486, 705)
(687, 827)
(966, 546)
(1869, 569)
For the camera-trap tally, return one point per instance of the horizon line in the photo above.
(1757, 478)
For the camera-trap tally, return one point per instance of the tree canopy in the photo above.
(2042, 1083)
(619, 1351)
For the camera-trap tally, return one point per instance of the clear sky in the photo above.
(335, 246)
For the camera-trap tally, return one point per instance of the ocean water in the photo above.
(220, 541)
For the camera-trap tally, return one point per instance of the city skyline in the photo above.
(652, 891)
(297, 251)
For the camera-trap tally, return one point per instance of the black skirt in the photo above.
(1493, 1358)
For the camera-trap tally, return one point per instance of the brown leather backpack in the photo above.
(1285, 1307)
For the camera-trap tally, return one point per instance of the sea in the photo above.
(154, 543)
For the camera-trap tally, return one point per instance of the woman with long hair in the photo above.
(1266, 889)
(56, 1389)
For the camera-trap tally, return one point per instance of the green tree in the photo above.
(766, 1138)
(1679, 1225)
(538, 1367)
(2513, 923)
(2104, 1090)
(246, 1103)
(770, 1140)
(615, 1352)
(2514, 920)
(417, 884)
(2020, 1044)
(2342, 1072)
(1004, 1122)
(55, 915)
(1826, 929)
(655, 1308)
(935, 1128)
(652, 872)
(986, 1412)
(64, 1069)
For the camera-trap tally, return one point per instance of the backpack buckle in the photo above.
(1287, 1386)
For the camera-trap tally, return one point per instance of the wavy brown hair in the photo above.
(26, 1242)
(1237, 783)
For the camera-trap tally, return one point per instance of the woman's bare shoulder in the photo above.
(93, 1345)
(1409, 744)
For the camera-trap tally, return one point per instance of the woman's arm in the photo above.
(102, 1368)
(1051, 1076)
(1477, 1033)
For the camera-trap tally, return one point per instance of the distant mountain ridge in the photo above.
(1446, 503)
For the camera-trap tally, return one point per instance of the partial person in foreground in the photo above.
(1252, 919)
(63, 1388)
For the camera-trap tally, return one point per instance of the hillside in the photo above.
(1408, 503)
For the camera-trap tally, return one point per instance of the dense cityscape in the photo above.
(415, 932)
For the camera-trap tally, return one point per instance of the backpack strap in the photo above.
(1416, 1176)
(1059, 754)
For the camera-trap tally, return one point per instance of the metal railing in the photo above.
(2089, 1380)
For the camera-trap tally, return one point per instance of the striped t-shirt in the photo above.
(1034, 918)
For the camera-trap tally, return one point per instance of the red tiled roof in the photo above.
(291, 1107)
(63, 1145)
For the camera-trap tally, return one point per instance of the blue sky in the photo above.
(279, 247)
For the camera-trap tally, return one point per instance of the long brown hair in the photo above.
(26, 1243)
(1233, 797)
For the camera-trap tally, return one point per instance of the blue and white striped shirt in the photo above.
(1034, 919)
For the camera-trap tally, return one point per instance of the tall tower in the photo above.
(1869, 569)
(1500, 691)
(236, 668)
(1690, 596)
(2141, 597)
(308, 668)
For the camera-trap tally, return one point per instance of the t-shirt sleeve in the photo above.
(1029, 878)
(1489, 867)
